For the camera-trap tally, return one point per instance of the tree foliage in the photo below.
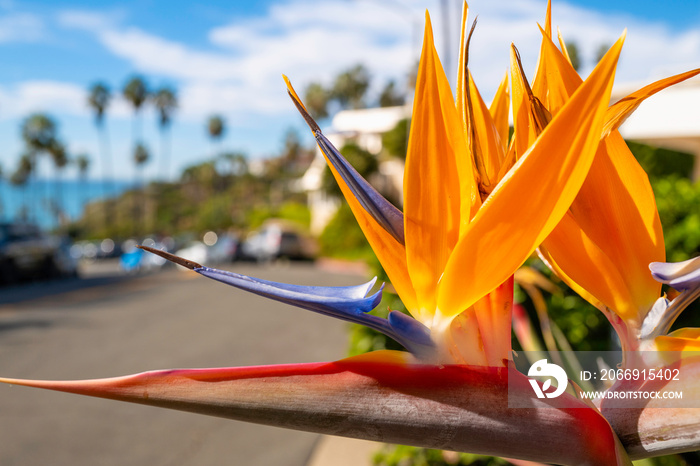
(316, 99)
(395, 141)
(350, 87)
(136, 92)
(99, 97)
(391, 96)
(216, 127)
(165, 101)
(572, 50)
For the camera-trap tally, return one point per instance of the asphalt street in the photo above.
(104, 325)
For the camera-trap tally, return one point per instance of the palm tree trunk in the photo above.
(59, 196)
(165, 153)
(106, 156)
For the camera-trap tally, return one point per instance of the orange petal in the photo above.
(562, 46)
(532, 198)
(549, 261)
(490, 148)
(557, 80)
(586, 268)
(612, 233)
(435, 164)
(617, 210)
(618, 113)
(685, 339)
(499, 109)
(461, 91)
(523, 128)
(470, 189)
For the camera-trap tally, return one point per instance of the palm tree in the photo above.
(82, 161)
(39, 132)
(165, 101)
(98, 100)
(39, 135)
(58, 154)
(20, 178)
(140, 158)
(2, 205)
(136, 93)
(216, 127)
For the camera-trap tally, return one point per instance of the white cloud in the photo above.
(52, 97)
(21, 27)
(242, 71)
(89, 20)
(42, 96)
(310, 40)
(651, 50)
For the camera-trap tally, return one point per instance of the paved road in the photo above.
(106, 326)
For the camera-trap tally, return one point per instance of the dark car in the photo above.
(26, 252)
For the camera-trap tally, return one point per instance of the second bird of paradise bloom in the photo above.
(476, 206)
(605, 246)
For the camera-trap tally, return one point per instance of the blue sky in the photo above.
(227, 57)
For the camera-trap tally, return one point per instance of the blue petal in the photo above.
(411, 328)
(683, 276)
(383, 211)
(350, 303)
(350, 300)
(679, 275)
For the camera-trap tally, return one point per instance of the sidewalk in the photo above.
(342, 451)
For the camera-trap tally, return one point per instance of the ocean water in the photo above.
(37, 200)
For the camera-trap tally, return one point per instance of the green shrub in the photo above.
(343, 238)
(660, 163)
(678, 201)
(400, 455)
(292, 211)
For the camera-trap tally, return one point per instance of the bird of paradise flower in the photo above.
(476, 206)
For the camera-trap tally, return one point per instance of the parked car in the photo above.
(275, 240)
(214, 249)
(26, 252)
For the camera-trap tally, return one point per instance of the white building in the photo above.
(364, 127)
(669, 119)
